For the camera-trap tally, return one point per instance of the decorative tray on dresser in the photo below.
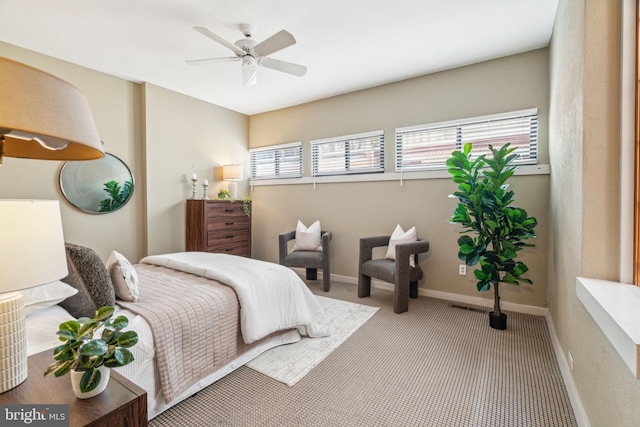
(219, 226)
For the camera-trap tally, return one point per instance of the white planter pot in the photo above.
(104, 382)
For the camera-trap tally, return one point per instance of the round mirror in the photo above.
(97, 186)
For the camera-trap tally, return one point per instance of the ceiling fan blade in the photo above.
(223, 42)
(285, 67)
(249, 73)
(212, 60)
(276, 42)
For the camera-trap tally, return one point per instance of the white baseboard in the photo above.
(466, 299)
(576, 403)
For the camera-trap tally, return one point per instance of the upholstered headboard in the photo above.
(88, 274)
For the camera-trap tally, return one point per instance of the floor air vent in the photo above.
(464, 307)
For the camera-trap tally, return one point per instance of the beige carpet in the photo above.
(434, 365)
(289, 363)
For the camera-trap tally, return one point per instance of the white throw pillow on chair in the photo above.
(401, 236)
(308, 239)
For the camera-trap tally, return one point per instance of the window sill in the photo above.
(388, 176)
(614, 308)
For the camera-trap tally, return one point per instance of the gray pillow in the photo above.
(89, 276)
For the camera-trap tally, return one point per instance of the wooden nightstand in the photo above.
(122, 404)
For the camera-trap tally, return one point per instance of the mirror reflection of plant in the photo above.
(118, 195)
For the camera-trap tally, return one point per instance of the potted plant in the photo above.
(496, 230)
(91, 347)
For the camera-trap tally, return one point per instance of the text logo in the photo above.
(34, 415)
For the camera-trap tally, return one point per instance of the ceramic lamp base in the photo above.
(13, 341)
(233, 190)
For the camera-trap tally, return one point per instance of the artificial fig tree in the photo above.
(493, 230)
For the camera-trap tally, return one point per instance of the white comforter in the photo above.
(272, 297)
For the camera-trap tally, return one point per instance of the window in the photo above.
(276, 161)
(346, 155)
(428, 147)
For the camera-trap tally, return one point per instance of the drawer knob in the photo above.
(229, 237)
(228, 210)
(228, 223)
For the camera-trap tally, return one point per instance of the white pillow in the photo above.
(44, 296)
(400, 236)
(123, 276)
(308, 239)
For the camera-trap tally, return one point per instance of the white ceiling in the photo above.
(347, 45)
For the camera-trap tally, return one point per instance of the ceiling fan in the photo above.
(252, 54)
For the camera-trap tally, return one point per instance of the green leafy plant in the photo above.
(118, 195)
(497, 230)
(82, 351)
(225, 195)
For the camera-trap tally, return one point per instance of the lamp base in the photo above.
(233, 190)
(13, 341)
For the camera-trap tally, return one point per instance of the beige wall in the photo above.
(186, 136)
(354, 210)
(114, 103)
(584, 154)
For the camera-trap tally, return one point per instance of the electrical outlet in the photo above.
(570, 360)
(462, 270)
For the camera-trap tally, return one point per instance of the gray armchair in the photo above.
(398, 272)
(310, 260)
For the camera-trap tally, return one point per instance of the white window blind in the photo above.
(276, 161)
(427, 147)
(346, 155)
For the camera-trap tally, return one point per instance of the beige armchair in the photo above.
(404, 277)
(310, 260)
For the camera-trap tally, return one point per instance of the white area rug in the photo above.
(290, 363)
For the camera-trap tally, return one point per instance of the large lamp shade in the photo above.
(44, 117)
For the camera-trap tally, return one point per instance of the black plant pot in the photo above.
(498, 322)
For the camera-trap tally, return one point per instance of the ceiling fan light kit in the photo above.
(254, 54)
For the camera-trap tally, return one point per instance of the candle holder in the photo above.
(195, 186)
(205, 192)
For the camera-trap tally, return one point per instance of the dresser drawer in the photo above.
(228, 222)
(221, 210)
(226, 236)
(236, 247)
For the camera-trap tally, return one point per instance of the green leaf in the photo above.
(90, 380)
(93, 348)
(59, 368)
(120, 357)
(118, 323)
(103, 313)
(127, 339)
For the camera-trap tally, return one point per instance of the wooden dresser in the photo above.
(219, 226)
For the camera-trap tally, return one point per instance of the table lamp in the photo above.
(32, 253)
(232, 173)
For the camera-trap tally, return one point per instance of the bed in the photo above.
(199, 316)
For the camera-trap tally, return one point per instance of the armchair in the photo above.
(310, 260)
(404, 277)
